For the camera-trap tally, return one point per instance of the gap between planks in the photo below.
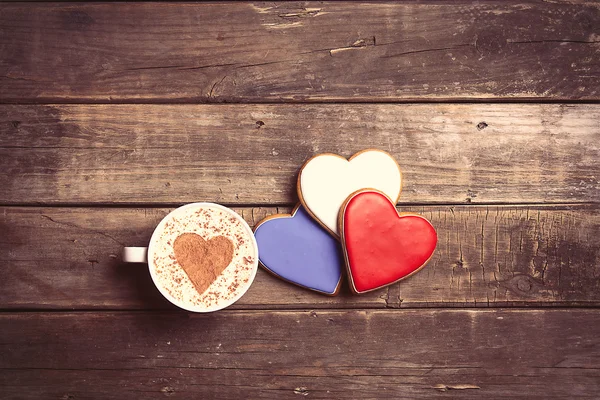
(590, 204)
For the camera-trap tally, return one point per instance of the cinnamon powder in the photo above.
(202, 260)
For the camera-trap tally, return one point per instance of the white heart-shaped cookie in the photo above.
(326, 181)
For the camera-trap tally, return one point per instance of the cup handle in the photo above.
(135, 254)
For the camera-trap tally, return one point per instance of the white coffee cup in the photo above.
(206, 220)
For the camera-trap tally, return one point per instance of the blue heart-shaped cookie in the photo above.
(297, 249)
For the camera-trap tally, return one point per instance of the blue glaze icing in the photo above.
(297, 249)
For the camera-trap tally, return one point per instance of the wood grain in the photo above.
(251, 154)
(324, 354)
(299, 51)
(80, 324)
(69, 258)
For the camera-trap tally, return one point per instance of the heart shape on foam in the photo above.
(326, 180)
(297, 249)
(381, 246)
(202, 260)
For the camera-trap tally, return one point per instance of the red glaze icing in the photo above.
(382, 246)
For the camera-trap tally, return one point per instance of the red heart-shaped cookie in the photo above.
(381, 246)
(202, 260)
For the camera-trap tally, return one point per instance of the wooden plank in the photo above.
(251, 154)
(299, 51)
(69, 258)
(400, 354)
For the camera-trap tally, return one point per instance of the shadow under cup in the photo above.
(179, 278)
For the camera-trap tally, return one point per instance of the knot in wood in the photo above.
(524, 285)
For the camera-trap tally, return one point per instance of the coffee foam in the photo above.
(208, 222)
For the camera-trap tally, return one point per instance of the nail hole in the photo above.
(481, 126)
(259, 124)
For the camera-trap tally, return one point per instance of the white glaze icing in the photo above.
(327, 180)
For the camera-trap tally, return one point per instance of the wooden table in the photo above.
(113, 114)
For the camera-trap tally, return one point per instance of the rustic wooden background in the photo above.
(113, 114)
